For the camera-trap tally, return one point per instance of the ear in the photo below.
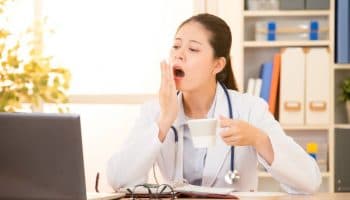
(219, 65)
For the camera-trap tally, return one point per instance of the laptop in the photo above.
(41, 157)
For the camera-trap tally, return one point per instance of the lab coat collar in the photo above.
(181, 119)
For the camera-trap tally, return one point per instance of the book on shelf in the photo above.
(274, 82)
(251, 86)
(266, 75)
(342, 29)
(257, 88)
(254, 86)
(266, 86)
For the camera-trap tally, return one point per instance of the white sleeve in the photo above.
(131, 164)
(292, 167)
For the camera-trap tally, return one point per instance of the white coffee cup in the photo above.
(203, 132)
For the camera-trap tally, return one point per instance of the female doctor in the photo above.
(200, 70)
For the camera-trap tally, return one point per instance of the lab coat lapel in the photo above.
(216, 155)
(178, 124)
(179, 156)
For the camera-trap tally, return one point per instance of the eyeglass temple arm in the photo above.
(97, 179)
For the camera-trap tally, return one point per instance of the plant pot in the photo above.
(347, 104)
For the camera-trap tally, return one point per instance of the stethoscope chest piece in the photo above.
(231, 177)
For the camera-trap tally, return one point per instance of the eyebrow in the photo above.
(195, 41)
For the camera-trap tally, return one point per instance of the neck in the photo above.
(198, 102)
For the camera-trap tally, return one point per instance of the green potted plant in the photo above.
(345, 95)
(26, 75)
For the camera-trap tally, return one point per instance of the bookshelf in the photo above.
(249, 54)
(254, 53)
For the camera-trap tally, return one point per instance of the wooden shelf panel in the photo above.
(341, 66)
(306, 127)
(252, 44)
(342, 126)
(281, 13)
(267, 175)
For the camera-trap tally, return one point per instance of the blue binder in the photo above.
(342, 49)
(266, 76)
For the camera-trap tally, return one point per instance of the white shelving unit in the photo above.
(254, 53)
(248, 54)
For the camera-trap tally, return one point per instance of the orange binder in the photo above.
(274, 82)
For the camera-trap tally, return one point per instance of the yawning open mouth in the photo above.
(179, 73)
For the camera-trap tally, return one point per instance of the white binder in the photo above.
(251, 85)
(257, 89)
(317, 86)
(292, 86)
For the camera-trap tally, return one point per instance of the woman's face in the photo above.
(192, 57)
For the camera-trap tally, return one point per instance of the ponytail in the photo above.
(226, 75)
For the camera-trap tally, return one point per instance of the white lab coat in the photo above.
(293, 168)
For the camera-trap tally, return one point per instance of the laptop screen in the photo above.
(41, 157)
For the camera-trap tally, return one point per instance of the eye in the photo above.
(193, 50)
(176, 46)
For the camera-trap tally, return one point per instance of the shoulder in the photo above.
(248, 107)
(247, 100)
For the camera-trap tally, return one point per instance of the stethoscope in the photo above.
(232, 175)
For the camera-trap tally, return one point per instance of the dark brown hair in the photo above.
(220, 41)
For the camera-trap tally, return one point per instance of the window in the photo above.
(17, 16)
(113, 47)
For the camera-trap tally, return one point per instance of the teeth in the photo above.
(179, 73)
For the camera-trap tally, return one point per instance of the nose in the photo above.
(179, 55)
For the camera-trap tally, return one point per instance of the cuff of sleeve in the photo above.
(155, 139)
(276, 161)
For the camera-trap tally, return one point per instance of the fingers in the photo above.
(172, 81)
(166, 72)
(229, 137)
(226, 122)
(231, 132)
(233, 141)
(226, 133)
(163, 74)
(167, 95)
(167, 77)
